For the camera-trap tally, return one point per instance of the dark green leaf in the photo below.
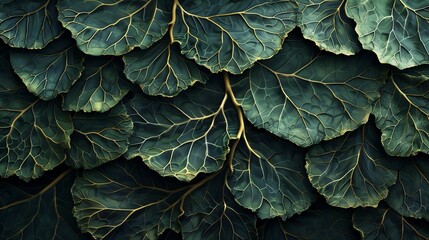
(410, 195)
(28, 23)
(162, 70)
(352, 170)
(397, 31)
(306, 96)
(275, 182)
(101, 86)
(126, 200)
(33, 133)
(231, 35)
(50, 71)
(325, 22)
(184, 135)
(212, 213)
(99, 137)
(41, 209)
(385, 224)
(107, 27)
(402, 113)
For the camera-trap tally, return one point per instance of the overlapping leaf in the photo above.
(107, 27)
(385, 224)
(397, 31)
(33, 133)
(101, 86)
(38, 210)
(99, 137)
(402, 113)
(184, 135)
(275, 182)
(28, 23)
(231, 35)
(352, 170)
(162, 70)
(212, 213)
(325, 22)
(410, 195)
(50, 71)
(306, 96)
(126, 200)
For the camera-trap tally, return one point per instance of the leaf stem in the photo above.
(173, 20)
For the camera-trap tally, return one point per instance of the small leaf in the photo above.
(125, 200)
(184, 135)
(352, 170)
(410, 195)
(162, 70)
(28, 23)
(106, 27)
(41, 209)
(101, 86)
(402, 113)
(50, 71)
(274, 184)
(386, 224)
(212, 213)
(325, 22)
(99, 137)
(397, 31)
(305, 95)
(231, 35)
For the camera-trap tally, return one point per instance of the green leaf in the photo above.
(402, 113)
(28, 23)
(41, 209)
(107, 27)
(385, 224)
(99, 137)
(284, 189)
(397, 31)
(325, 22)
(125, 200)
(212, 213)
(162, 70)
(231, 35)
(184, 135)
(50, 71)
(352, 170)
(305, 95)
(314, 224)
(33, 133)
(410, 195)
(101, 86)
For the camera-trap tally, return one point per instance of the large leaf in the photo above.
(410, 195)
(352, 170)
(101, 86)
(41, 209)
(385, 224)
(162, 70)
(212, 213)
(28, 23)
(397, 31)
(284, 189)
(402, 113)
(99, 137)
(107, 27)
(126, 200)
(325, 22)
(184, 135)
(306, 96)
(50, 71)
(33, 133)
(231, 35)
